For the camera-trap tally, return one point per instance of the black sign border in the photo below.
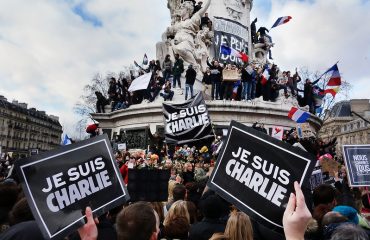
(272, 141)
(23, 163)
(349, 166)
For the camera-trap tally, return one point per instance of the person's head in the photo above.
(349, 232)
(239, 226)
(190, 66)
(216, 63)
(333, 217)
(20, 212)
(178, 209)
(137, 221)
(213, 206)
(206, 14)
(308, 81)
(167, 57)
(188, 167)
(177, 56)
(179, 192)
(208, 70)
(324, 194)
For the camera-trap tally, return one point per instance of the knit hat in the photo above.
(348, 212)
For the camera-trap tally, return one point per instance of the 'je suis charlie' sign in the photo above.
(256, 172)
(61, 183)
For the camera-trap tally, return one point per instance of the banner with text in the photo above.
(61, 183)
(232, 34)
(187, 122)
(357, 160)
(256, 173)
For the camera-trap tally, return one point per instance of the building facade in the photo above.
(25, 131)
(346, 126)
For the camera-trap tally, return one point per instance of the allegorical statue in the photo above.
(184, 36)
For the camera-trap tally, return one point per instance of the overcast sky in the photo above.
(50, 49)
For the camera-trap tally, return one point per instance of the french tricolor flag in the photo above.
(233, 52)
(281, 20)
(298, 115)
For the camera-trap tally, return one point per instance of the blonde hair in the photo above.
(238, 227)
(178, 209)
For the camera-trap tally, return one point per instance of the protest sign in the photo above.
(256, 173)
(232, 34)
(316, 178)
(187, 122)
(230, 75)
(357, 160)
(61, 183)
(122, 147)
(277, 132)
(149, 185)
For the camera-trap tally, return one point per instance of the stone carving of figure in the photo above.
(185, 31)
(173, 5)
(203, 40)
(235, 8)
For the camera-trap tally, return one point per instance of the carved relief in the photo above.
(235, 8)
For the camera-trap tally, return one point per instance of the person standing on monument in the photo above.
(178, 69)
(254, 31)
(167, 67)
(216, 77)
(190, 76)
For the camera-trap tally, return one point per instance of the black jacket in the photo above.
(190, 76)
(206, 228)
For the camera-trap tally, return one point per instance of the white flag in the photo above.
(140, 83)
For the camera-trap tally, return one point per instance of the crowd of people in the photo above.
(254, 81)
(192, 211)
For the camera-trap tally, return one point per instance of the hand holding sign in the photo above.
(89, 231)
(296, 215)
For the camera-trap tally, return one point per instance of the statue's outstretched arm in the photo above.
(204, 8)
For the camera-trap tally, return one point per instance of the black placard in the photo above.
(61, 183)
(149, 185)
(357, 159)
(256, 173)
(187, 122)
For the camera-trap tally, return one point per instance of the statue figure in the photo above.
(184, 32)
(203, 41)
(235, 8)
(173, 5)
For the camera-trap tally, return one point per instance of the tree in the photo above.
(87, 103)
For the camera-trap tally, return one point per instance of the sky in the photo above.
(50, 49)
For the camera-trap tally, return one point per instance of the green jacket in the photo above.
(178, 67)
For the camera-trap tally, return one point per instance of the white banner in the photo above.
(140, 83)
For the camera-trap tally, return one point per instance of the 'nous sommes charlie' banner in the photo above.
(61, 183)
(256, 173)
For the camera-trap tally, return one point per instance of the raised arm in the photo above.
(204, 8)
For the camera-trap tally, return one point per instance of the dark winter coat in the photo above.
(190, 76)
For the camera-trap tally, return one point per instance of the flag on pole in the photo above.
(66, 140)
(233, 52)
(334, 82)
(140, 83)
(145, 59)
(281, 20)
(298, 115)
